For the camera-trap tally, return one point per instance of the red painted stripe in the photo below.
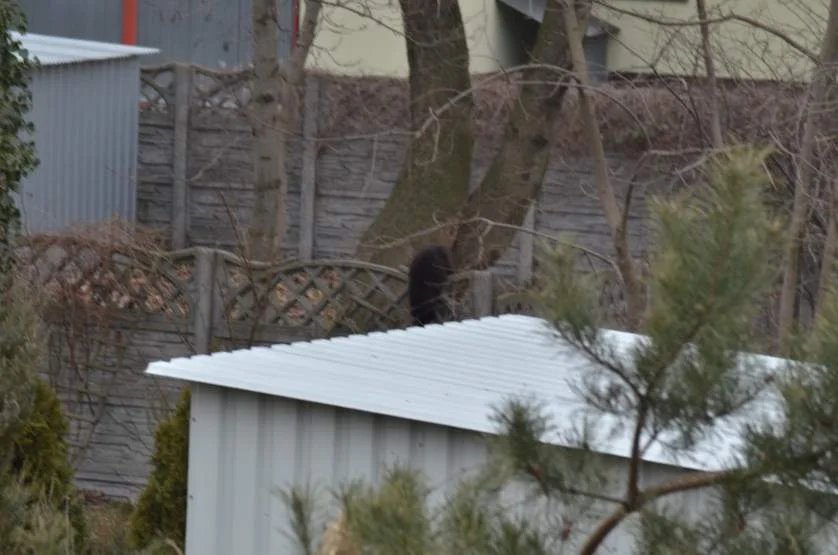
(295, 23)
(129, 21)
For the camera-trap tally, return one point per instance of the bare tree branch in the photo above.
(665, 22)
(710, 68)
(613, 213)
(805, 171)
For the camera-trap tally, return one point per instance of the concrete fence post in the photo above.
(180, 154)
(482, 294)
(525, 247)
(204, 307)
(308, 177)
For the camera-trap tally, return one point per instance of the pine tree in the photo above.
(718, 247)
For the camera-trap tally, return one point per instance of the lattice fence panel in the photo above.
(221, 90)
(82, 273)
(327, 295)
(157, 89)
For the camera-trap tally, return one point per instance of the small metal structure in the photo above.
(325, 412)
(85, 110)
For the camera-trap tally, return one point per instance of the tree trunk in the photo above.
(433, 183)
(615, 215)
(827, 277)
(270, 150)
(273, 118)
(710, 68)
(515, 178)
(805, 171)
(830, 124)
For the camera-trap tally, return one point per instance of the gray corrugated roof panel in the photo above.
(52, 51)
(450, 375)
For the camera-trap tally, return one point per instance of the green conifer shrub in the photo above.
(161, 509)
(41, 459)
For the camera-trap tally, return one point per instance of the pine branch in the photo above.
(683, 485)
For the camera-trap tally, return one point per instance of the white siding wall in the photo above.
(244, 446)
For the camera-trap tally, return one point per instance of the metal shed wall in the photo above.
(79, 19)
(245, 446)
(212, 33)
(86, 134)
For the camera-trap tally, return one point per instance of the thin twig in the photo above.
(491, 223)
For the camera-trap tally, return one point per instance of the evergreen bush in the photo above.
(17, 151)
(35, 472)
(161, 509)
(39, 490)
(41, 459)
(33, 426)
(20, 354)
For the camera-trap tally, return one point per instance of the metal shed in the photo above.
(327, 411)
(85, 110)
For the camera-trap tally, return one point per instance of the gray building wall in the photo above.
(520, 32)
(244, 447)
(77, 19)
(86, 128)
(212, 33)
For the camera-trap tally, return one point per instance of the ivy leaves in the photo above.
(17, 148)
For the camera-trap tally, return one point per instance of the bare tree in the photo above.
(434, 179)
(516, 175)
(490, 217)
(274, 114)
(808, 154)
(806, 168)
(710, 69)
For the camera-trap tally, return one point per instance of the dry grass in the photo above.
(336, 540)
(108, 524)
(107, 521)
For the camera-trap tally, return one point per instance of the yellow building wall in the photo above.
(364, 37)
(740, 50)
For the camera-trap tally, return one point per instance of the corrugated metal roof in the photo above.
(52, 51)
(450, 375)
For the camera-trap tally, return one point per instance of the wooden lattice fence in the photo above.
(111, 309)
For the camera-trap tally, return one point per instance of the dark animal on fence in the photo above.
(428, 285)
